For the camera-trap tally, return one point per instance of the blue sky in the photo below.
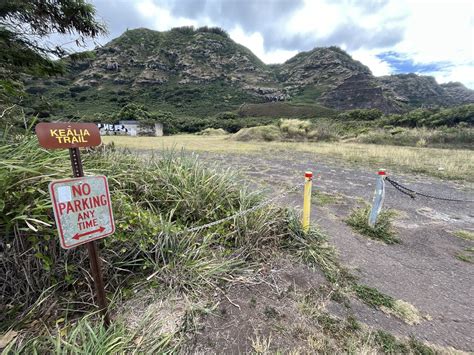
(390, 36)
(400, 64)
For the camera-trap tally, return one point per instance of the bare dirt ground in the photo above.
(422, 270)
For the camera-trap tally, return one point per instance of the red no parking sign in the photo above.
(82, 209)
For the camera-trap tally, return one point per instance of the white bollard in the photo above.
(379, 196)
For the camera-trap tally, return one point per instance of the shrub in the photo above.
(213, 132)
(185, 30)
(360, 115)
(294, 128)
(215, 30)
(261, 133)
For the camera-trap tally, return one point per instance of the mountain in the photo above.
(416, 91)
(199, 72)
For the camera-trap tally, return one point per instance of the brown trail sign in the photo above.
(67, 135)
(79, 208)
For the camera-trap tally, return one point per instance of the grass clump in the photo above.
(288, 130)
(467, 255)
(324, 198)
(382, 230)
(213, 132)
(349, 336)
(463, 234)
(373, 297)
(88, 335)
(261, 133)
(399, 308)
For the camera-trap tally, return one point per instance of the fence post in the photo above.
(308, 178)
(379, 196)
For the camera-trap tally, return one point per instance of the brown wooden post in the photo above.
(92, 247)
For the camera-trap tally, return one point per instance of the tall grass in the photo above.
(88, 336)
(153, 199)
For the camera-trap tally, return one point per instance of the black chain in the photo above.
(412, 193)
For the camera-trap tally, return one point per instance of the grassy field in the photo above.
(453, 164)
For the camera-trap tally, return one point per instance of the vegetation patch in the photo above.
(285, 130)
(88, 335)
(382, 230)
(467, 255)
(463, 234)
(348, 335)
(325, 198)
(262, 133)
(213, 132)
(399, 308)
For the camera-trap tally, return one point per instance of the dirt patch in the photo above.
(146, 308)
(262, 314)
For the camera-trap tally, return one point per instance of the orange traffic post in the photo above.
(308, 178)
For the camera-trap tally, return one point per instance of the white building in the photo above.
(129, 128)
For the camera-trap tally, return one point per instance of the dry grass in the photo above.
(455, 164)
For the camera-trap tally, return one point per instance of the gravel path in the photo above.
(423, 270)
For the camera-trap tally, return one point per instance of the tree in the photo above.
(24, 25)
(24, 28)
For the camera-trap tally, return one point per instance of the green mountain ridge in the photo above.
(201, 72)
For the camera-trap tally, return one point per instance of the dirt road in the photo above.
(422, 270)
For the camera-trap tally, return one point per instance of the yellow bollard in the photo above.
(308, 177)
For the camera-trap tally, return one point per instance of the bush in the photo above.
(459, 137)
(213, 132)
(261, 133)
(433, 118)
(289, 130)
(185, 30)
(294, 128)
(215, 30)
(360, 115)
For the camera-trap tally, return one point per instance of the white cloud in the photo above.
(162, 18)
(461, 73)
(429, 31)
(254, 42)
(375, 64)
(317, 18)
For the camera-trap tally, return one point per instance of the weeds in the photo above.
(324, 198)
(467, 255)
(89, 336)
(349, 336)
(374, 298)
(261, 345)
(382, 230)
(463, 234)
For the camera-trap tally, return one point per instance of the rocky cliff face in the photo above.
(205, 71)
(331, 77)
(145, 58)
(423, 91)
